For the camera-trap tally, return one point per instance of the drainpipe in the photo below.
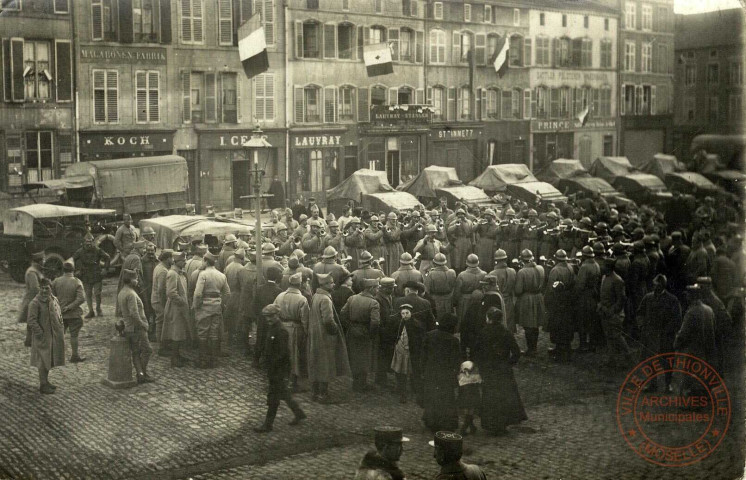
(76, 107)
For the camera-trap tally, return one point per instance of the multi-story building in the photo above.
(574, 66)
(646, 63)
(37, 107)
(709, 76)
(160, 77)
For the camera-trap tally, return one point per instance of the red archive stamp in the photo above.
(679, 428)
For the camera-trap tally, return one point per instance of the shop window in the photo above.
(608, 145)
(438, 101)
(515, 103)
(39, 156)
(36, 72)
(376, 154)
(409, 157)
(145, 28)
(346, 108)
(103, 20)
(629, 56)
(229, 98)
(345, 41)
(316, 171)
(437, 46)
(264, 97)
(105, 96)
(562, 52)
(192, 24)
(148, 97)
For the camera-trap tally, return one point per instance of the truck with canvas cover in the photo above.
(436, 182)
(370, 190)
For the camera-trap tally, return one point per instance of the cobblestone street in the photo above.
(197, 423)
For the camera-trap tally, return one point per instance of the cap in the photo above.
(270, 310)
(230, 238)
(417, 285)
(406, 306)
(388, 282)
(166, 254)
(296, 279)
(472, 260)
(489, 213)
(500, 254)
(179, 256)
(389, 435)
(526, 254)
(332, 224)
(240, 253)
(210, 256)
(370, 282)
(391, 216)
(587, 251)
(268, 249)
(69, 262)
(447, 440)
(439, 259)
(460, 211)
(510, 212)
(329, 252)
(324, 278)
(303, 217)
(431, 228)
(365, 257)
(200, 249)
(374, 218)
(128, 274)
(405, 259)
(561, 255)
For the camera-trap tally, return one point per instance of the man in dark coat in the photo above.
(277, 200)
(149, 262)
(559, 306)
(587, 285)
(611, 303)
(698, 264)
(277, 356)
(387, 332)
(448, 452)
(724, 274)
(488, 296)
(265, 295)
(441, 357)
(88, 259)
(381, 463)
(361, 315)
(659, 318)
(342, 290)
(676, 264)
(636, 284)
(723, 321)
(69, 293)
(423, 321)
(697, 334)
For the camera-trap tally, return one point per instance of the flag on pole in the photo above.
(252, 47)
(501, 59)
(378, 59)
(583, 116)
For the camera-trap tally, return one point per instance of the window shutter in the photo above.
(197, 21)
(415, 8)
(61, 6)
(478, 105)
(419, 46)
(451, 106)
(480, 48)
(186, 22)
(483, 102)
(652, 100)
(638, 99)
(353, 42)
(154, 104)
(621, 102)
(125, 21)
(299, 105)
(165, 21)
(555, 52)
(210, 98)
(225, 22)
(363, 111)
(526, 52)
(360, 41)
(18, 92)
(429, 97)
(112, 96)
(97, 21)
(186, 99)
(298, 39)
(527, 103)
(406, 7)
(5, 54)
(393, 96)
(330, 41)
(141, 97)
(99, 96)
(269, 96)
(394, 43)
(330, 105)
(312, 4)
(419, 96)
(456, 48)
(259, 96)
(459, 100)
(63, 73)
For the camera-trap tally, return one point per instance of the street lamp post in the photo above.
(256, 143)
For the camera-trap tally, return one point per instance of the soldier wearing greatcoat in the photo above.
(440, 283)
(362, 317)
(294, 312)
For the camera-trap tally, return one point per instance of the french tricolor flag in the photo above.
(377, 59)
(583, 116)
(501, 59)
(252, 47)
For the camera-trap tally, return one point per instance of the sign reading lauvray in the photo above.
(119, 54)
(574, 124)
(400, 114)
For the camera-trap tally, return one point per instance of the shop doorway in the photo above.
(241, 184)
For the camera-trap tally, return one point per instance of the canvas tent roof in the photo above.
(467, 193)
(388, 201)
(561, 168)
(637, 182)
(169, 228)
(73, 181)
(363, 181)
(609, 168)
(690, 179)
(662, 164)
(429, 179)
(497, 177)
(20, 220)
(532, 191)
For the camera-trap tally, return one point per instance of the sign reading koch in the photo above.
(119, 54)
(126, 142)
(388, 114)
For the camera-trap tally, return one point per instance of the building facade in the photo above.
(38, 103)
(574, 66)
(709, 76)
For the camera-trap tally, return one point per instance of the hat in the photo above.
(313, 223)
(532, 213)
(341, 276)
(588, 252)
(618, 249)
(179, 256)
(311, 199)
(448, 441)
(147, 230)
(489, 280)
(617, 229)
(500, 254)
(489, 213)
(586, 222)
(439, 259)
(472, 260)
(553, 215)
(166, 253)
(296, 279)
(150, 248)
(405, 259)
(406, 306)
(510, 212)
(210, 256)
(417, 285)
(126, 216)
(200, 249)
(332, 224)
(391, 216)
(303, 217)
(460, 211)
(365, 257)
(279, 226)
(329, 252)
(270, 310)
(370, 282)
(324, 278)
(88, 237)
(69, 263)
(389, 435)
(128, 274)
(526, 254)
(431, 228)
(240, 253)
(230, 238)
(268, 248)
(293, 262)
(37, 257)
(660, 279)
(561, 255)
(388, 282)
(415, 214)
(598, 248)
(374, 218)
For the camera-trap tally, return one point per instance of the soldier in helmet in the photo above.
(586, 292)
(362, 316)
(461, 237)
(486, 238)
(148, 234)
(125, 236)
(440, 283)
(509, 234)
(428, 247)
(374, 238)
(529, 306)
(313, 242)
(549, 236)
(392, 246)
(333, 237)
(88, 259)
(530, 232)
(365, 272)
(467, 282)
(328, 265)
(405, 273)
(210, 294)
(506, 286)
(229, 248)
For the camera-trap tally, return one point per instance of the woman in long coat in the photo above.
(47, 334)
(495, 354)
(176, 311)
(327, 350)
(441, 358)
(486, 234)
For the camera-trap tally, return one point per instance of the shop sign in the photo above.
(564, 125)
(557, 77)
(126, 142)
(400, 114)
(321, 140)
(456, 134)
(119, 54)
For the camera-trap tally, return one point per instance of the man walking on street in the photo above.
(69, 293)
(210, 294)
(135, 325)
(88, 258)
(294, 312)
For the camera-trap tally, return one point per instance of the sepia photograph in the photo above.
(372, 240)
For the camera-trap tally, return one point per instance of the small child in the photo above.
(401, 363)
(469, 394)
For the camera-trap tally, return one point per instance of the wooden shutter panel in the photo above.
(6, 70)
(210, 98)
(141, 86)
(652, 100)
(526, 52)
(480, 48)
(360, 41)
(456, 48)
(259, 95)
(197, 32)
(419, 96)
(299, 105)
(18, 92)
(330, 41)
(97, 21)
(330, 105)
(393, 96)
(394, 43)
(363, 111)
(225, 22)
(429, 96)
(165, 21)
(186, 23)
(186, 99)
(63, 73)
(154, 90)
(483, 100)
(126, 34)
(112, 96)
(269, 96)
(451, 103)
(527, 103)
(406, 7)
(298, 39)
(415, 8)
(419, 46)
(99, 96)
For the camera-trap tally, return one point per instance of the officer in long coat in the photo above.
(392, 246)
(362, 316)
(232, 311)
(264, 295)
(587, 286)
(406, 273)
(466, 283)
(149, 262)
(387, 332)
(210, 294)
(47, 334)
(327, 350)
(176, 309)
(461, 237)
(612, 299)
(561, 272)
(506, 286)
(247, 285)
(294, 311)
(365, 272)
(529, 307)
(440, 283)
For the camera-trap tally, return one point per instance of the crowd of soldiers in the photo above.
(361, 294)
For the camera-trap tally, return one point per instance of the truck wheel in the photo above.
(18, 272)
(53, 265)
